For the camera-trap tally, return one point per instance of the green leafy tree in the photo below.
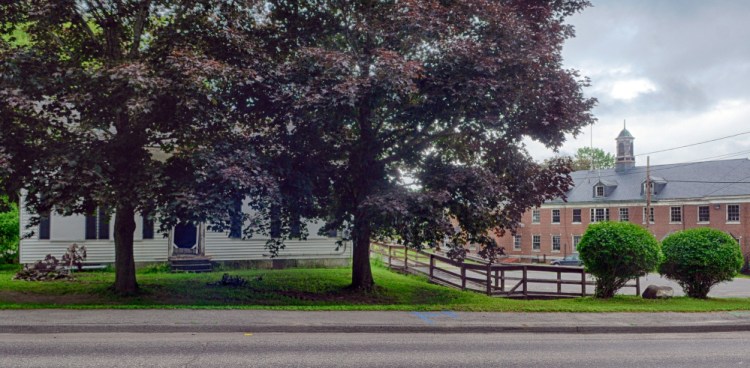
(700, 258)
(616, 252)
(601, 159)
(9, 232)
(405, 119)
(99, 89)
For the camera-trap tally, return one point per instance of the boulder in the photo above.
(658, 292)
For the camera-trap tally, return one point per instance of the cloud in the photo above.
(678, 71)
(631, 88)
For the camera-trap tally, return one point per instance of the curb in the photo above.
(594, 329)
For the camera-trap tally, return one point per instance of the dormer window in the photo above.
(643, 188)
(599, 191)
(657, 185)
(604, 188)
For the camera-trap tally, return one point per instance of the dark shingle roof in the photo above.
(683, 181)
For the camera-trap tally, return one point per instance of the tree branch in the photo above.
(140, 22)
(85, 26)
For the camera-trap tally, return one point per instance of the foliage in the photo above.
(129, 104)
(601, 159)
(615, 252)
(406, 119)
(227, 280)
(9, 232)
(50, 268)
(700, 258)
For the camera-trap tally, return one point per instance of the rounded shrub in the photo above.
(700, 258)
(615, 252)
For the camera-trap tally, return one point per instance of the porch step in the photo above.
(190, 264)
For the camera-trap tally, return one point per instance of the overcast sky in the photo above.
(677, 71)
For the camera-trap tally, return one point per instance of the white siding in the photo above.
(33, 249)
(222, 248)
(218, 245)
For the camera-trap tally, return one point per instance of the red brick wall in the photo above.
(660, 228)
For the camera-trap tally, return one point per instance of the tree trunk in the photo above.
(125, 283)
(361, 271)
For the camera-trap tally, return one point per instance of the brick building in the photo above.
(712, 194)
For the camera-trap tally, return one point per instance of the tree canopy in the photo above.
(97, 88)
(400, 120)
(587, 158)
(408, 116)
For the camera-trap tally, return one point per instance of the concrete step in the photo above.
(191, 264)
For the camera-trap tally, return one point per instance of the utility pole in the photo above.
(648, 191)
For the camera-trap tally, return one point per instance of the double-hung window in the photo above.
(651, 217)
(576, 240)
(536, 242)
(704, 214)
(675, 214)
(517, 242)
(576, 215)
(556, 216)
(733, 213)
(555, 243)
(599, 214)
(624, 215)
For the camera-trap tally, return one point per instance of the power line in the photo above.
(694, 144)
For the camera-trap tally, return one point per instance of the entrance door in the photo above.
(185, 239)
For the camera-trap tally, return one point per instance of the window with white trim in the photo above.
(599, 191)
(576, 241)
(535, 216)
(556, 216)
(536, 242)
(599, 214)
(704, 214)
(516, 242)
(577, 216)
(555, 243)
(675, 214)
(624, 215)
(651, 218)
(733, 213)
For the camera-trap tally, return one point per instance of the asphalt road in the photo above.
(373, 350)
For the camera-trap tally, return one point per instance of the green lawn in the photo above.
(309, 289)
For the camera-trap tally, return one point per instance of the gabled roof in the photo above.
(683, 181)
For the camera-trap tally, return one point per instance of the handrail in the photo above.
(489, 278)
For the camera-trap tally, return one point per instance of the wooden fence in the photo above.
(498, 279)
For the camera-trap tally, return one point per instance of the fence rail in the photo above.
(494, 279)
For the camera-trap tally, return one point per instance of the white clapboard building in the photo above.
(57, 232)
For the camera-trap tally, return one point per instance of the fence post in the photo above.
(637, 286)
(463, 277)
(389, 256)
(406, 258)
(502, 280)
(525, 290)
(432, 265)
(496, 278)
(583, 282)
(559, 284)
(489, 279)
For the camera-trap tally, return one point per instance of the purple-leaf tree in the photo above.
(129, 104)
(412, 115)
